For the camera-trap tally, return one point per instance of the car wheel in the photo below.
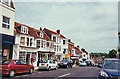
(56, 68)
(67, 66)
(12, 73)
(49, 69)
(31, 70)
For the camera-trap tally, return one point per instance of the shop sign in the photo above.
(67, 55)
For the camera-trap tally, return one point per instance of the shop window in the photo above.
(22, 55)
(22, 41)
(6, 22)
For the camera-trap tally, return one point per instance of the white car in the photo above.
(83, 63)
(48, 64)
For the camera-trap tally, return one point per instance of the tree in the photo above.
(112, 53)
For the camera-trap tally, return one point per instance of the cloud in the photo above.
(90, 25)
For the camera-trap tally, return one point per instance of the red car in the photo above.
(12, 67)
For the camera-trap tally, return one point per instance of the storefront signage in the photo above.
(67, 55)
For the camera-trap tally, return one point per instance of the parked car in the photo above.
(48, 64)
(110, 69)
(12, 67)
(83, 63)
(66, 63)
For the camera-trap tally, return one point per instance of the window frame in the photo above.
(7, 24)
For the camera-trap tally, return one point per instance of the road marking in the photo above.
(39, 72)
(62, 76)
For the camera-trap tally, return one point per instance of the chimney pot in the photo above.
(58, 31)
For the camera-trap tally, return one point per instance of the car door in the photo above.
(24, 66)
(17, 66)
(51, 64)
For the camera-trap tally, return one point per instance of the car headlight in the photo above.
(104, 74)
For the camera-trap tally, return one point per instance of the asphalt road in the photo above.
(61, 73)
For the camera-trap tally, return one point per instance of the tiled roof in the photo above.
(31, 31)
(52, 32)
(44, 35)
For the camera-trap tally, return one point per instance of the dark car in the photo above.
(110, 69)
(12, 67)
(66, 63)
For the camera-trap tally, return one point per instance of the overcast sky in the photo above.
(91, 25)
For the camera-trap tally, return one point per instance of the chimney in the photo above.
(40, 28)
(58, 31)
(78, 46)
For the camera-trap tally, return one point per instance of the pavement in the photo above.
(62, 73)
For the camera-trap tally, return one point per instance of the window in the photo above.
(63, 42)
(57, 48)
(31, 40)
(22, 41)
(24, 29)
(48, 44)
(64, 51)
(54, 38)
(42, 43)
(27, 41)
(38, 43)
(6, 22)
(54, 47)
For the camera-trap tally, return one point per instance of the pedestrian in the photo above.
(32, 60)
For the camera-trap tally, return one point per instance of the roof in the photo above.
(83, 50)
(78, 50)
(52, 32)
(31, 31)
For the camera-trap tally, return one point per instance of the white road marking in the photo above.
(39, 72)
(62, 76)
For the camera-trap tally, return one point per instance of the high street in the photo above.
(61, 73)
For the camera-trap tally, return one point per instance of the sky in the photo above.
(91, 25)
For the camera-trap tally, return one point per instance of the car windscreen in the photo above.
(6, 62)
(111, 64)
(43, 61)
(64, 61)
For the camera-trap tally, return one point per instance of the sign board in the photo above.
(67, 55)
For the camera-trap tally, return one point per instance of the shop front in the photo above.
(6, 46)
(42, 55)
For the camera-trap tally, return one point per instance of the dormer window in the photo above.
(24, 29)
(40, 34)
